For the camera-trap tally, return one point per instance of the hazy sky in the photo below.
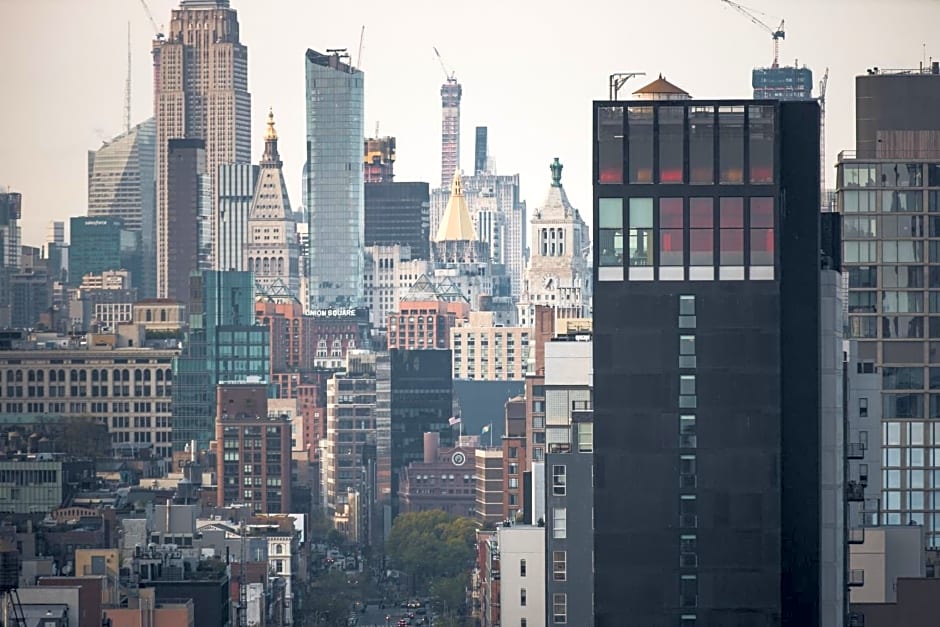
(529, 72)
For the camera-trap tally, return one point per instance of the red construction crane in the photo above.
(775, 33)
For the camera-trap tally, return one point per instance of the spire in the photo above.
(456, 224)
(270, 157)
(556, 167)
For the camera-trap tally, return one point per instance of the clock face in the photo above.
(458, 458)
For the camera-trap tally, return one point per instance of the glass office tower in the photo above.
(888, 191)
(224, 345)
(333, 180)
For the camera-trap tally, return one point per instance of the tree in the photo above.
(432, 544)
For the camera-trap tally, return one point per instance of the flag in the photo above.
(486, 429)
(454, 420)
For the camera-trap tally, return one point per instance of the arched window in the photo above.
(163, 315)
(149, 315)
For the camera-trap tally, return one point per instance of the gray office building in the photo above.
(189, 207)
(569, 480)
(122, 184)
(888, 191)
(333, 180)
(235, 189)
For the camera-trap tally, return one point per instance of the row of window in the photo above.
(889, 174)
(694, 232)
(649, 144)
(688, 481)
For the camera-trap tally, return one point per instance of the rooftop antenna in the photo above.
(617, 81)
(127, 85)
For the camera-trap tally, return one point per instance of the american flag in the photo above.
(454, 420)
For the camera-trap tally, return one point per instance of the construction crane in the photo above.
(362, 36)
(822, 140)
(450, 75)
(158, 31)
(775, 33)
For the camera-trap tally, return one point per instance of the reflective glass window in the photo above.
(731, 144)
(903, 406)
(731, 236)
(671, 139)
(610, 227)
(641, 231)
(640, 145)
(702, 145)
(671, 244)
(863, 276)
(610, 145)
(902, 326)
(701, 232)
(904, 201)
(761, 143)
(901, 174)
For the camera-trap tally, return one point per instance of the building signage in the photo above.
(332, 313)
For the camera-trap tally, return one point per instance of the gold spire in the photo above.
(456, 224)
(271, 134)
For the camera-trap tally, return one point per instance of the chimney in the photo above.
(432, 441)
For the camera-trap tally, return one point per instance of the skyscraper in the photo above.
(888, 192)
(11, 209)
(201, 92)
(397, 213)
(333, 180)
(716, 366)
(187, 229)
(272, 250)
(451, 92)
(100, 244)
(480, 155)
(235, 189)
(122, 184)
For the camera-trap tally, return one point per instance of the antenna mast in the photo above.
(127, 85)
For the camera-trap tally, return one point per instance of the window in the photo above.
(688, 557)
(671, 136)
(688, 511)
(687, 471)
(558, 481)
(731, 144)
(902, 201)
(731, 225)
(762, 232)
(761, 143)
(702, 145)
(560, 608)
(559, 523)
(523, 622)
(687, 351)
(687, 391)
(687, 431)
(559, 565)
(701, 238)
(688, 591)
(863, 407)
(610, 145)
(641, 231)
(610, 226)
(522, 597)
(640, 158)
(522, 568)
(671, 241)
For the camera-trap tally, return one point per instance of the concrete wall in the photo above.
(517, 544)
(887, 554)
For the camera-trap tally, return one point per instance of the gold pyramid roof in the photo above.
(456, 224)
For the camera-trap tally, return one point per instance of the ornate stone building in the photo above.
(558, 274)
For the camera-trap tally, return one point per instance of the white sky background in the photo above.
(529, 71)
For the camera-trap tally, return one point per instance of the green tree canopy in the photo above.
(432, 544)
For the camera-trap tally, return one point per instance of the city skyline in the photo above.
(498, 80)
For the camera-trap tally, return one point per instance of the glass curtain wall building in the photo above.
(888, 191)
(708, 406)
(224, 345)
(333, 181)
(122, 184)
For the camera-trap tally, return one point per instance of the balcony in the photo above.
(854, 492)
(856, 535)
(856, 578)
(855, 450)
